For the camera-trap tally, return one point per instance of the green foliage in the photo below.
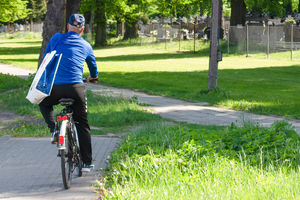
(38, 9)
(8, 82)
(279, 144)
(175, 8)
(186, 162)
(274, 7)
(12, 10)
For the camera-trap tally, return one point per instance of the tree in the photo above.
(101, 22)
(55, 21)
(72, 7)
(238, 12)
(38, 10)
(133, 10)
(12, 10)
(213, 63)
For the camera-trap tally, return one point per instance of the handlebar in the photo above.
(90, 80)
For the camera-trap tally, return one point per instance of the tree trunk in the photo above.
(213, 61)
(101, 24)
(31, 23)
(73, 6)
(54, 22)
(131, 31)
(100, 35)
(238, 12)
(90, 29)
(221, 21)
(288, 8)
(120, 26)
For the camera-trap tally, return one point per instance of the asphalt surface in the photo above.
(30, 169)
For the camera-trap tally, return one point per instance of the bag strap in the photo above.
(54, 55)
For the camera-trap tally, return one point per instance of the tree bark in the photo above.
(238, 12)
(101, 24)
(90, 29)
(73, 6)
(120, 28)
(131, 30)
(213, 61)
(54, 22)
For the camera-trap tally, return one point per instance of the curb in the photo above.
(5, 138)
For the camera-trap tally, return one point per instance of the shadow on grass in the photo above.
(20, 42)
(19, 50)
(18, 60)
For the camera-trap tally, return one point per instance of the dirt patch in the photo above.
(9, 119)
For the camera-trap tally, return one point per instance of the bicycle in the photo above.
(68, 143)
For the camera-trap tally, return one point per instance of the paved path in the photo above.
(9, 69)
(30, 169)
(199, 113)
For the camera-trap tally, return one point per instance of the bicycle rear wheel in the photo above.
(78, 161)
(66, 164)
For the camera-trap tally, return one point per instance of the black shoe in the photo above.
(54, 137)
(87, 168)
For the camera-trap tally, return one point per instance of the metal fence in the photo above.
(282, 41)
(21, 28)
(178, 35)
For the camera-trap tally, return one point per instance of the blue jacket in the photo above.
(75, 51)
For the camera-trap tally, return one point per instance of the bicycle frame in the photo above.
(68, 145)
(62, 134)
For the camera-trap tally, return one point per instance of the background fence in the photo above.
(269, 41)
(280, 41)
(22, 28)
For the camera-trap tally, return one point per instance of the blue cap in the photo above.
(78, 18)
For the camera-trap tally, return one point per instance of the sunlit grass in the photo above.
(113, 114)
(255, 84)
(180, 162)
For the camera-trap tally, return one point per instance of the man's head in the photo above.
(76, 23)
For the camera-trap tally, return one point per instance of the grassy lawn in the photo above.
(177, 160)
(198, 162)
(110, 115)
(253, 84)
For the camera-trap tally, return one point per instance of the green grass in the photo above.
(8, 82)
(198, 162)
(116, 115)
(254, 84)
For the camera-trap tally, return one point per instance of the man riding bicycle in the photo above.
(68, 82)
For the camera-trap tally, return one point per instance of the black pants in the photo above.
(76, 92)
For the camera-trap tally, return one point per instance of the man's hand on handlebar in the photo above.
(91, 80)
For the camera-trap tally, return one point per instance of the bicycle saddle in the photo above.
(66, 101)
